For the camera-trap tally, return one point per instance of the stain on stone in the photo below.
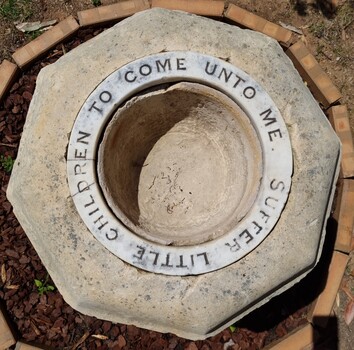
(74, 239)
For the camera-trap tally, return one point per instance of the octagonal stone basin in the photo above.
(180, 166)
(97, 282)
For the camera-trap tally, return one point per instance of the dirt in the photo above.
(47, 319)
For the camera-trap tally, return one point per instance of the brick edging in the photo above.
(37, 47)
(7, 338)
(318, 81)
(339, 118)
(8, 73)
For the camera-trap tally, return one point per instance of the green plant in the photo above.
(96, 3)
(318, 29)
(7, 163)
(345, 15)
(9, 9)
(232, 328)
(43, 287)
(15, 9)
(35, 34)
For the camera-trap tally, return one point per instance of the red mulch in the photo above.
(48, 320)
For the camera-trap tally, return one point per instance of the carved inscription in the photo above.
(154, 70)
(256, 227)
(142, 254)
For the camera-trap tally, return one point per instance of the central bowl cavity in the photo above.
(180, 166)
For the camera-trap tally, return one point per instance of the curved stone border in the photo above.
(148, 72)
(301, 337)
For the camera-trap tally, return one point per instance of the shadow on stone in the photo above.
(297, 298)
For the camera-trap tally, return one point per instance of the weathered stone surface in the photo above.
(95, 281)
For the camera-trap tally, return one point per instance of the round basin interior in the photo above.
(180, 165)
